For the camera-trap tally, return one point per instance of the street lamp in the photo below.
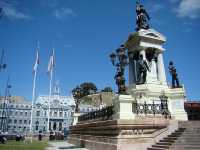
(119, 59)
(2, 64)
(164, 105)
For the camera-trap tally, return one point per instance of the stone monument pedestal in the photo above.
(124, 131)
(150, 93)
(75, 118)
(123, 107)
(121, 134)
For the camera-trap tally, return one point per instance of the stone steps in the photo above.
(166, 142)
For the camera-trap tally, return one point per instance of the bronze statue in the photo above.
(120, 61)
(174, 75)
(120, 81)
(142, 17)
(142, 70)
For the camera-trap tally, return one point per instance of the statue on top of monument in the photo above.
(142, 70)
(142, 17)
(174, 75)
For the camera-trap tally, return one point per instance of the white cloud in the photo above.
(10, 11)
(64, 13)
(189, 8)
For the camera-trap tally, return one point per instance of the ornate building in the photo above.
(61, 109)
(19, 113)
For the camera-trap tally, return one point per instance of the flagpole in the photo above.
(34, 81)
(50, 83)
(33, 99)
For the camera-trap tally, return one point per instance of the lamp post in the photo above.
(2, 64)
(164, 105)
(119, 59)
(77, 92)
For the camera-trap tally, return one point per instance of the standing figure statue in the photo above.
(142, 17)
(142, 70)
(174, 75)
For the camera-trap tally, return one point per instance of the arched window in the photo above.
(36, 125)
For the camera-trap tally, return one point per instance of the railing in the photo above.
(144, 108)
(104, 114)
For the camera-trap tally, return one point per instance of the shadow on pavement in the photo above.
(70, 147)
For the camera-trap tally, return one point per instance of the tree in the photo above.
(88, 88)
(84, 89)
(107, 89)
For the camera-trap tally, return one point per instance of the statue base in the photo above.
(150, 93)
(121, 134)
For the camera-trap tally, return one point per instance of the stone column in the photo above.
(161, 69)
(123, 107)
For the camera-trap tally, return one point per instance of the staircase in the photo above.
(167, 142)
(189, 140)
(187, 137)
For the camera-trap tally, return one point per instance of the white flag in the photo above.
(51, 62)
(36, 62)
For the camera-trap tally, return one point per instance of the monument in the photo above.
(145, 111)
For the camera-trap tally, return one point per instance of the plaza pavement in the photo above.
(63, 146)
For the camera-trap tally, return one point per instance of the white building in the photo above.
(19, 113)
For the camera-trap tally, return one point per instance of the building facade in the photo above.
(18, 113)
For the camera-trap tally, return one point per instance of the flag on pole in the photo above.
(36, 62)
(51, 62)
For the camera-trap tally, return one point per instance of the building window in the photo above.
(21, 113)
(20, 121)
(15, 121)
(55, 113)
(60, 126)
(65, 114)
(61, 114)
(25, 121)
(36, 125)
(45, 113)
(11, 112)
(54, 126)
(49, 125)
(16, 113)
(10, 121)
(51, 113)
(38, 113)
(26, 113)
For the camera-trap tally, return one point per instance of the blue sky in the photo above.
(84, 33)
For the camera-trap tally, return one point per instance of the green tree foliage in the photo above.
(107, 89)
(84, 89)
(88, 88)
